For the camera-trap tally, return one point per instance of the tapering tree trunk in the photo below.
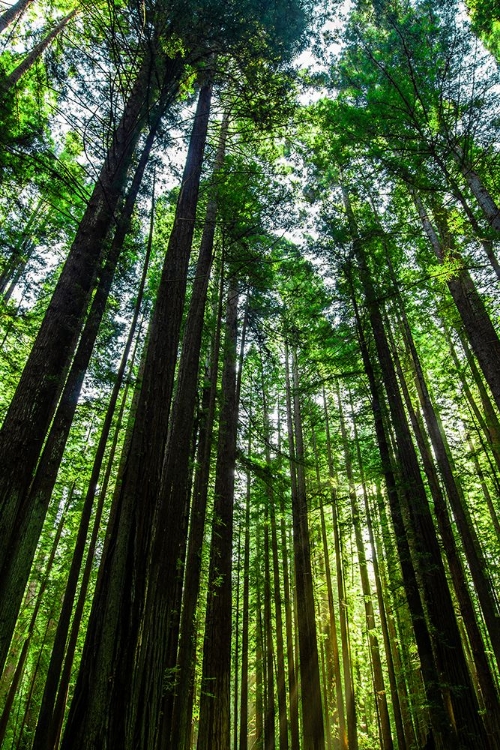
(9, 700)
(33, 405)
(48, 723)
(312, 712)
(482, 667)
(214, 726)
(183, 703)
(280, 658)
(25, 536)
(118, 605)
(475, 558)
(244, 728)
(350, 709)
(13, 12)
(378, 678)
(270, 710)
(422, 636)
(290, 655)
(477, 324)
(478, 189)
(37, 51)
(333, 639)
(464, 722)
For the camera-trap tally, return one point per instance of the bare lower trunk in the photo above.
(35, 53)
(13, 12)
(33, 405)
(214, 726)
(312, 712)
(106, 716)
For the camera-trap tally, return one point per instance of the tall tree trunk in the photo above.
(214, 726)
(333, 638)
(422, 636)
(48, 723)
(312, 712)
(13, 12)
(280, 659)
(478, 189)
(352, 731)
(183, 703)
(475, 558)
(477, 324)
(37, 51)
(25, 536)
(270, 710)
(118, 604)
(33, 405)
(244, 727)
(163, 605)
(21, 252)
(290, 655)
(404, 738)
(464, 723)
(378, 678)
(482, 667)
(24, 651)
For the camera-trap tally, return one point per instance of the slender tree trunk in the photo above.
(48, 723)
(477, 324)
(488, 422)
(465, 724)
(20, 254)
(352, 732)
(403, 733)
(13, 12)
(33, 405)
(483, 670)
(25, 536)
(259, 677)
(378, 679)
(479, 190)
(245, 619)
(280, 648)
(333, 638)
(65, 676)
(183, 703)
(163, 605)
(37, 51)
(21, 662)
(290, 655)
(270, 711)
(312, 712)
(214, 727)
(422, 636)
(280, 658)
(476, 561)
(104, 712)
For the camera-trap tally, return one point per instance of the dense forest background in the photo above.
(250, 375)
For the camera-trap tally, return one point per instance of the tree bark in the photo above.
(214, 726)
(15, 571)
(312, 712)
(33, 405)
(13, 12)
(477, 324)
(37, 51)
(104, 714)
